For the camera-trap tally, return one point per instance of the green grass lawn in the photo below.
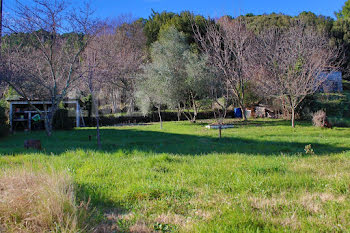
(257, 178)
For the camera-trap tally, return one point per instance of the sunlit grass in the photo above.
(183, 178)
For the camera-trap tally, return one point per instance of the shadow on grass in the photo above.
(90, 193)
(104, 213)
(132, 141)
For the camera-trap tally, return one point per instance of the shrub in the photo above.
(335, 104)
(319, 118)
(308, 150)
(39, 202)
(4, 127)
(339, 121)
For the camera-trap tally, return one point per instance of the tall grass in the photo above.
(38, 201)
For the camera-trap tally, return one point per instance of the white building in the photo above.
(333, 83)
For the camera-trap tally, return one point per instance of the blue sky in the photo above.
(142, 8)
(214, 8)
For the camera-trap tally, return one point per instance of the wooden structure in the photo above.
(22, 113)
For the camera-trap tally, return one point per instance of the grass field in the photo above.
(257, 178)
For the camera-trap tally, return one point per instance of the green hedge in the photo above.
(61, 120)
(334, 104)
(339, 122)
(152, 117)
(4, 127)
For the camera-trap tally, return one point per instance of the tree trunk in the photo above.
(115, 98)
(97, 116)
(160, 118)
(243, 112)
(220, 121)
(293, 117)
(48, 125)
(195, 111)
(48, 119)
(179, 113)
(194, 118)
(131, 108)
(94, 106)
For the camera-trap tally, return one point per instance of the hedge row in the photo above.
(335, 104)
(153, 117)
(63, 121)
(4, 127)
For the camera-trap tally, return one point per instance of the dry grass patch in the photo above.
(114, 223)
(140, 227)
(173, 219)
(38, 202)
(272, 210)
(313, 201)
(272, 204)
(202, 214)
(282, 210)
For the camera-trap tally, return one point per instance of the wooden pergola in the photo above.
(21, 112)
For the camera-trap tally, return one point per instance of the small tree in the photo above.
(93, 81)
(151, 91)
(230, 48)
(44, 60)
(122, 51)
(294, 63)
(177, 77)
(198, 83)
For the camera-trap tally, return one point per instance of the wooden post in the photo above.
(29, 121)
(11, 117)
(77, 114)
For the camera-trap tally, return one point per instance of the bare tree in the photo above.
(294, 63)
(45, 64)
(93, 80)
(230, 47)
(123, 50)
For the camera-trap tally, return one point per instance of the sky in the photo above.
(213, 8)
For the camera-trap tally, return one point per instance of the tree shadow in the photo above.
(104, 212)
(130, 141)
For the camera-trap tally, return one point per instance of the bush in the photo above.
(62, 121)
(319, 118)
(339, 121)
(4, 127)
(39, 202)
(335, 104)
